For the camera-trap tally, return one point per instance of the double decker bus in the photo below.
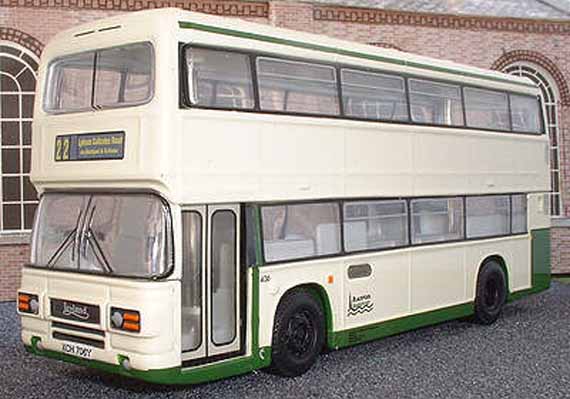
(220, 196)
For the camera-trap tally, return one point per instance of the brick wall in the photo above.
(56, 18)
(12, 257)
(473, 40)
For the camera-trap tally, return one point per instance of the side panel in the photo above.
(383, 295)
(541, 259)
(438, 281)
(276, 280)
(269, 157)
(515, 251)
(437, 277)
(538, 211)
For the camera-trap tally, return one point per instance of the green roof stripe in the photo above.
(333, 50)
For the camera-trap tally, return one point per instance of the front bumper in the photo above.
(174, 375)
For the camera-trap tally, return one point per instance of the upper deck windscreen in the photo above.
(106, 78)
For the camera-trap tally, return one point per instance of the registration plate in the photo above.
(77, 350)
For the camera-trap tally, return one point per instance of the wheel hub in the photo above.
(301, 334)
(492, 294)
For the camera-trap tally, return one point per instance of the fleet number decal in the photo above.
(77, 350)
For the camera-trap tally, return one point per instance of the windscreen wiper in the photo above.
(98, 251)
(70, 239)
(88, 237)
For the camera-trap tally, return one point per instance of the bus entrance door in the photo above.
(211, 284)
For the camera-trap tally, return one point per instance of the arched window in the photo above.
(551, 98)
(18, 198)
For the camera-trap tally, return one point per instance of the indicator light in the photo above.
(28, 303)
(127, 320)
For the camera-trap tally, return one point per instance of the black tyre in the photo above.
(491, 293)
(298, 334)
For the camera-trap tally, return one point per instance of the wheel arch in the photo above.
(319, 293)
(501, 261)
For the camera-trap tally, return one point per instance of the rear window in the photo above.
(106, 78)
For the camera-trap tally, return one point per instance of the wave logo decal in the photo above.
(359, 304)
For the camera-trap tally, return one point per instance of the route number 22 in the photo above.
(62, 148)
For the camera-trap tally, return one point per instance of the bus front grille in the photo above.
(71, 327)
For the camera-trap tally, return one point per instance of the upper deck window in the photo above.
(297, 87)
(219, 79)
(435, 103)
(374, 96)
(107, 78)
(487, 109)
(525, 111)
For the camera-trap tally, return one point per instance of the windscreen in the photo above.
(106, 78)
(114, 234)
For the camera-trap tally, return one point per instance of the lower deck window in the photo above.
(436, 220)
(375, 224)
(300, 230)
(519, 211)
(488, 216)
(313, 229)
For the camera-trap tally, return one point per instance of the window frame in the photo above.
(185, 103)
(509, 197)
(94, 107)
(200, 267)
(461, 100)
(185, 84)
(507, 103)
(462, 235)
(526, 229)
(170, 247)
(332, 67)
(338, 206)
(542, 129)
(405, 85)
(21, 95)
(237, 226)
(340, 203)
(407, 220)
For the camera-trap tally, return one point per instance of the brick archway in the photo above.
(23, 39)
(541, 60)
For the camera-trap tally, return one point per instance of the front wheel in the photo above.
(298, 334)
(491, 293)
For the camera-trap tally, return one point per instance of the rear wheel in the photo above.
(491, 293)
(298, 334)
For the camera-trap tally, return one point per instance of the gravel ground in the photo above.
(526, 354)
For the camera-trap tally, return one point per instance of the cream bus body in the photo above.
(203, 160)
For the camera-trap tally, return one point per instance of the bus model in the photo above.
(220, 196)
